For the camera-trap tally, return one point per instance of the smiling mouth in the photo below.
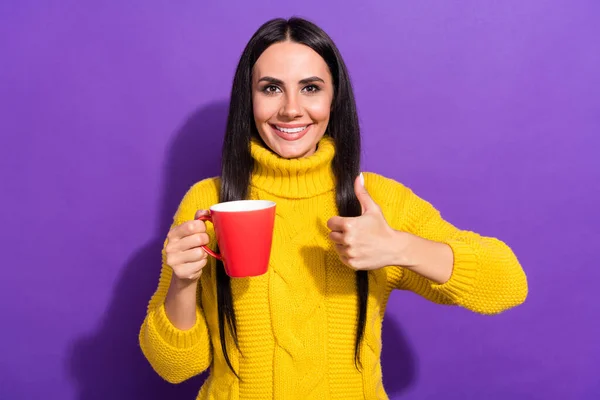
(290, 130)
(291, 134)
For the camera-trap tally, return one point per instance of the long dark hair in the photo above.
(237, 163)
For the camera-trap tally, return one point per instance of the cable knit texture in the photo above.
(297, 322)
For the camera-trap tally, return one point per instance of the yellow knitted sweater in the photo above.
(297, 323)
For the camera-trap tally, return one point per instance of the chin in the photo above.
(289, 149)
(295, 150)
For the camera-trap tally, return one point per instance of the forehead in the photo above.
(290, 61)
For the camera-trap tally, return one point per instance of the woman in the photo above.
(311, 326)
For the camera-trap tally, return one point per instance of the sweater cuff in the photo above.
(464, 270)
(181, 339)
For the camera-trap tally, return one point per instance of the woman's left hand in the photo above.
(366, 242)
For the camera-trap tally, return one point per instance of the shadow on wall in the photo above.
(109, 364)
(398, 361)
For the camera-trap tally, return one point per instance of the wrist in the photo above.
(181, 302)
(401, 245)
(182, 285)
(433, 260)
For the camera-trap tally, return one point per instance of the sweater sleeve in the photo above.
(177, 355)
(487, 277)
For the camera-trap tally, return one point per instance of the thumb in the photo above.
(200, 213)
(366, 202)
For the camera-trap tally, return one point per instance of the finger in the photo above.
(345, 259)
(182, 257)
(201, 213)
(188, 242)
(350, 262)
(185, 229)
(190, 271)
(341, 250)
(336, 224)
(366, 202)
(346, 250)
(336, 237)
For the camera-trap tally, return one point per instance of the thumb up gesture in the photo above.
(365, 242)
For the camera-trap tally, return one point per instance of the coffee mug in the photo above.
(244, 231)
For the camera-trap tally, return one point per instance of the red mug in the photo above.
(244, 231)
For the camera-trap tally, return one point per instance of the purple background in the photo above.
(108, 112)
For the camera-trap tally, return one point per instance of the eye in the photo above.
(271, 89)
(311, 89)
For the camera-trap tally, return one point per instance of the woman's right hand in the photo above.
(184, 254)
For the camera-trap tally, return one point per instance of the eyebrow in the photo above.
(304, 81)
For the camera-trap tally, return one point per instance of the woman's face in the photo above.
(292, 91)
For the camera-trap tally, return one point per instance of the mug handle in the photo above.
(205, 248)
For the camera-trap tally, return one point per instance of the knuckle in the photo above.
(204, 239)
(170, 261)
(175, 268)
(179, 274)
(189, 242)
(347, 225)
(195, 240)
(348, 240)
(349, 262)
(198, 253)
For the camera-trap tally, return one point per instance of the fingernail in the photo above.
(362, 179)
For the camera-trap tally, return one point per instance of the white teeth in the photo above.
(291, 130)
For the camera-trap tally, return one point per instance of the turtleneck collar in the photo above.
(293, 178)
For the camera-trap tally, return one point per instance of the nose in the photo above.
(290, 108)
